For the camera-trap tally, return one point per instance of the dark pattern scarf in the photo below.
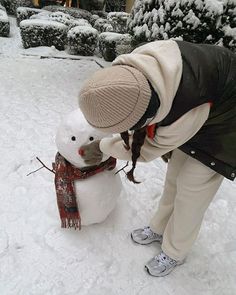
(65, 175)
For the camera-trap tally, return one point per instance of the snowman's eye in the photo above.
(73, 138)
(91, 138)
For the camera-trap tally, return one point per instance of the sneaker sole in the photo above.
(164, 273)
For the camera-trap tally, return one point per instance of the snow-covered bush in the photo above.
(118, 21)
(113, 44)
(228, 25)
(4, 23)
(23, 13)
(103, 25)
(82, 40)
(68, 20)
(100, 13)
(196, 21)
(61, 17)
(75, 12)
(93, 19)
(43, 33)
(42, 15)
(12, 5)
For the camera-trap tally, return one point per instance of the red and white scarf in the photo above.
(65, 175)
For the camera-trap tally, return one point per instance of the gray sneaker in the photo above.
(161, 265)
(145, 236)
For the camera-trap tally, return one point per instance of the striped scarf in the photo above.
(65, 175)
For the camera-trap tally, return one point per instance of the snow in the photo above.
(39, 258)
(112, 37)
(82, 30)
(3, 16)
(42, 23)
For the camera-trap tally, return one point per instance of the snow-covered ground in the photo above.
(37, 257)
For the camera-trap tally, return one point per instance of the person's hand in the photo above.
(91, 153)
(166, 157)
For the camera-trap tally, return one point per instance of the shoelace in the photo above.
(164, 259)
(149, 233)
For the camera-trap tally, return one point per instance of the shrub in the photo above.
(43, 33)
(82, 40)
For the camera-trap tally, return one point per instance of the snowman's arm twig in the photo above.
(35, 171)
(44, 166)
(122, 169)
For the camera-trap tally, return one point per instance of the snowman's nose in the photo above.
(81, 152)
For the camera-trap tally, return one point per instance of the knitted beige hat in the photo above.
(115, 98)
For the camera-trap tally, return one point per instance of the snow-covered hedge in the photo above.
(75, 12)
(62, 18)
(100, 13)
(200, 21)
(113, 44)
(103, 25)
(118, 21)
(43, 33)
(82, 40)
(68, 20)
(23, 13)
(12, 5)
(4, 23)
(93, 19)
(228, 25)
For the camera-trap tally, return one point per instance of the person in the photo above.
(74, 3)
(43, 3)
(169, 97)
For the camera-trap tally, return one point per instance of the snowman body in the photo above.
(97, 195)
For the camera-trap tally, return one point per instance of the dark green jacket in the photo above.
(209, 75)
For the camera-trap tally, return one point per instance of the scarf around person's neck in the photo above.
(65, 175)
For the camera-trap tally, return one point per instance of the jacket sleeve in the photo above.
(166, 139)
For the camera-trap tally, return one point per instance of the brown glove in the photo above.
(166, 157)
(91, 153)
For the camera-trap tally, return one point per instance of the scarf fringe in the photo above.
(71, 223)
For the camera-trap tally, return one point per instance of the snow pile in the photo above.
(4, 23)
(112, 44)
(43, 33)
(200, 21)
(82, 40)
(23, 13)
(118, 21)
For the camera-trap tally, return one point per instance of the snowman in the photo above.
(96, 196)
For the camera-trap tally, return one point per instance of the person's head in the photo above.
(119, 99)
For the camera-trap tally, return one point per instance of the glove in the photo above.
(91, 153)
(166, 157)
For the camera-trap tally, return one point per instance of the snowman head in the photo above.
(74, 132)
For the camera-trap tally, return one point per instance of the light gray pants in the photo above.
(189, 188)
